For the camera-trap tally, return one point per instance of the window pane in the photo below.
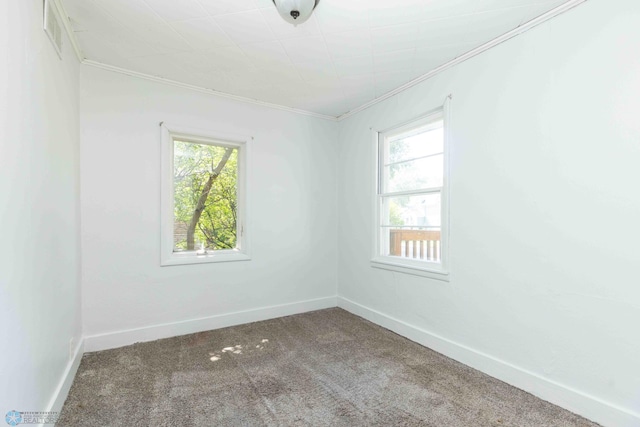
(411, 211)
(411, 227)
(424, 143)
(205, 179)
(417, 174)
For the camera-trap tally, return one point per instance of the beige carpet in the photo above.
(324, 368)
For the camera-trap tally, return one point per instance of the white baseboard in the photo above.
(149, 333)
(62, 391)
(588, 406)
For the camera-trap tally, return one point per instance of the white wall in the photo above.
(545, 211)
(39, 246)
(292, 196)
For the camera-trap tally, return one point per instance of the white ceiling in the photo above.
(347, 54)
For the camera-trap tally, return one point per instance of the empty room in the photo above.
(320, 212)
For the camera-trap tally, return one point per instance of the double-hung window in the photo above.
(203, 197)
(411, 198)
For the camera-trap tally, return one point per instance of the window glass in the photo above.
(429, 141)
(205, 182)
(412, 211)
(425, 172)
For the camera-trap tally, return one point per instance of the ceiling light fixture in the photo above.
(295, 11)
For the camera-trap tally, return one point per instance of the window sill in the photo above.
(412, 269)
(182, 258)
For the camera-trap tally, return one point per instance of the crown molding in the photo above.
(205, 90)
(71, 35)
(490, 44)
(64, 17)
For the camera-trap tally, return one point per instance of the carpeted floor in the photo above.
(324, 368)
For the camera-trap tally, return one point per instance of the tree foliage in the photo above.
(205, 196)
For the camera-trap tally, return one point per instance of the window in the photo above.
(411, 197)
(203, 197)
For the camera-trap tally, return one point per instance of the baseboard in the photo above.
(62, 391)
(588, 406)
(131, 336)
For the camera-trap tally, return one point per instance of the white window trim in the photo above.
(438, 271)
(167, 256)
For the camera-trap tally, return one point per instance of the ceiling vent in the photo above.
(52, 26)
